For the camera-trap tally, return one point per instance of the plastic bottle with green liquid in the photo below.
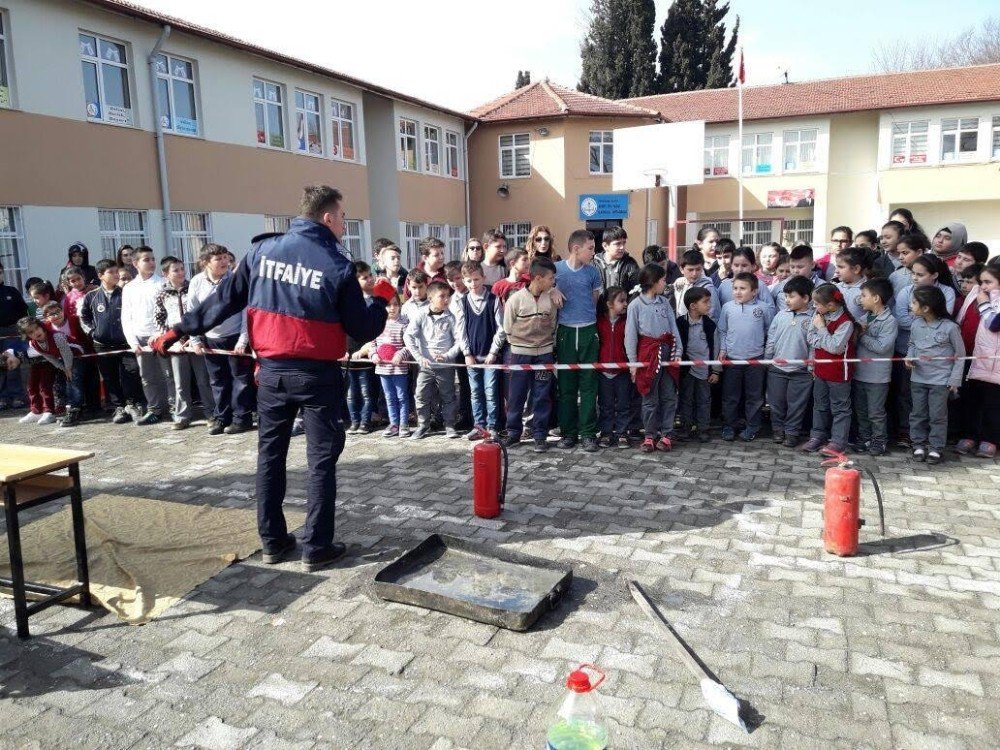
(580, 723)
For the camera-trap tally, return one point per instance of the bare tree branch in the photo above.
(973, 46)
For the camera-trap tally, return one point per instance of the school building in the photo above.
(219, 153)
(813, 155)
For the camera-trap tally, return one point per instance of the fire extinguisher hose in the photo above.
(503, 484)
(878, 498)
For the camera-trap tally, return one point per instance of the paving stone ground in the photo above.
(895, 648)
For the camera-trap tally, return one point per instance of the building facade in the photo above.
(243, 130)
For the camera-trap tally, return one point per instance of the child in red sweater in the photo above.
(614, 394)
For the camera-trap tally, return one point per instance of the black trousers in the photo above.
(120, 373)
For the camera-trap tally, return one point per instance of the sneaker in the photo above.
(791, 440)
(29, 418)
(627, 440)
(216, 428)
(833, 450)
(135, 411)
(237, 428)
(965, 447)
(72, 418)
(541, 445)
(4, 404)
(404, 431)
(420, 433)
(812, 445)
(567, 442)
(748, 435)
(150, 417)
(120, 416)
(590, 445)
(364, 428)
(47, 418)
(511, 440)
(933, 457)
(986, 450)
(298, 427)
(324, 557)
(648, 446)
(703, 436)
(391, 431)
(728, 434)
(778, 436)
(276, 555)
(877, 448)
(353, 429)
(919, 454)
(664, 444)
(903, 440)
(182, 424)
(451, 433)
(477, 433)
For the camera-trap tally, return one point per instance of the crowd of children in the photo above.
(893, 293)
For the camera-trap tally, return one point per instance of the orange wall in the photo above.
(430, 199)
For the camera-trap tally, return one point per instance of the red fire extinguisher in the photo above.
(842, 506)
(489, 478)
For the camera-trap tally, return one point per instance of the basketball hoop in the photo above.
(659, 175)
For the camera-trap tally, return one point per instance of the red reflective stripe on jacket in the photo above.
(277, 336)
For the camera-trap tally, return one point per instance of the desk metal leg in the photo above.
(16, 562)
(79, 536)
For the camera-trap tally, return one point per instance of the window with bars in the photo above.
(308, 123)
(107, 92)
(408, 145)
(959, 138)
(436, 231)
(13, 253)
(432, 149)
(759, 232)
(716, 155)
(456, 242)
(269, 111)
(342, 118)
(514, 155)
(909, 142)
(4, 79)
(353, 241)
(757, 153)
(601, 151)
(191, 232)
(120, 227)
(800, 150)
(175, 89)
(452, 154)
(516, 233)
(995, 138)
(412, 234)
(277, 223)
(797, 232)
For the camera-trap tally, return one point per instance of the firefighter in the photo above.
(302, 301)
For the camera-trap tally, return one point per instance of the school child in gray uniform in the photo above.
(432, 338)
(878, 329)
(933, 334)
(789, 387)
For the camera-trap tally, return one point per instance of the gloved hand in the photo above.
(384, 290)
(164, 341)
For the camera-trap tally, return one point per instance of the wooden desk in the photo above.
(27, 480)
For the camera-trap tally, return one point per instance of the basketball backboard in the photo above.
(674, 152)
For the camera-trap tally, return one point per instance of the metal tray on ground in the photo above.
(475, 581)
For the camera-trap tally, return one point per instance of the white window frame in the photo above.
(757, 232)
(302, 116)
(184, 237)
(754, 145)
(6, 84)
(403, 138)
(456, 241)
(107, 113)
(115, 232)
(903, 132)
(715, 145)
(793, 142)
(277, 223)
(452, 154)
(514, 231)
(603, 149)
(995, 138)
(173, 78)
(354, 240)
(432, 149)
(338, 123)
(12, 245)
(799, 232)
(515, 149)
(962, 126)
(263, 102)
(412, 234)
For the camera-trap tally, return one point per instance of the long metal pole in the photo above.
(739, 136)
(161, 149)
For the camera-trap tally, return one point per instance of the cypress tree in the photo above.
(619, 53)
(694, 53)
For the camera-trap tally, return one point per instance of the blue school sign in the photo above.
(603, 206)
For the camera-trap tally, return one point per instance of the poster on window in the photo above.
(119, 115)
(797, 198)
(186, 125)
(4, 96)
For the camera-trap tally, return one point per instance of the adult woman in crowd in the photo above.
(541, 242)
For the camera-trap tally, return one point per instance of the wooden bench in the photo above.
(27, 479)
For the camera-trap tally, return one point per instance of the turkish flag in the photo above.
(743, 72)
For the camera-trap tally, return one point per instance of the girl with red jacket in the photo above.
(614, 392)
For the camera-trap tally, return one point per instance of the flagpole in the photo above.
(739, 172)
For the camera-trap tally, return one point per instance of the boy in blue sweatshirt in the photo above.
(789, 387)
(697, 332)
(871, 379)
(742, 331)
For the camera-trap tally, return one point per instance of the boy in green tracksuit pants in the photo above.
(576, 342)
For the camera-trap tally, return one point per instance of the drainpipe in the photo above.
(468, 209)
(161, 151)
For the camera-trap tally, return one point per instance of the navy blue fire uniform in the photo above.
(302, 301)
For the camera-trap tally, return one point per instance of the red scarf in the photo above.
(649, 353)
